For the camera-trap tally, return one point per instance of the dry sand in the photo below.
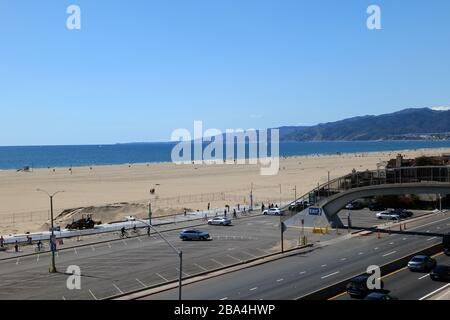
(23, 209)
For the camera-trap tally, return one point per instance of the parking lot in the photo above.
(125, 265)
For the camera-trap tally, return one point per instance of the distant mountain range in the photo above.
(408, 124)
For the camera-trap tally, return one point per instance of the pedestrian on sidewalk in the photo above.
(2, 241)
(225, 213)
(16, 246)
(234, 213)
(209, 206)
(185, 212)
(263, 207)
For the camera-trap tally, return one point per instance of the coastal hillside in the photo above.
(408, 124)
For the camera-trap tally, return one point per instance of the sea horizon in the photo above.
(59, 156)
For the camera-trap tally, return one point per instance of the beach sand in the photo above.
(112, 192)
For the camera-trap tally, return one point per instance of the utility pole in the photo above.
(52, 236)
(280, 195)
(251, 197)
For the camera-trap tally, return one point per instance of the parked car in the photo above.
(376, 207)
(402, 213)
(355, 205)
(357, 287)
(388, 215)
(220, 221)
(193, 234)
(299, 206)
(272, 211)
(379, 296)
(440, 273)
(421, 263)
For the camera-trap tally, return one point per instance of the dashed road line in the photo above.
(423, 277)
(361, 253)
(253, 289)
(376, 248)
(280, 280)
(323, 266)
(302, 272)
(432, 238)
(329, 275)
(388, 254)
(343, 259)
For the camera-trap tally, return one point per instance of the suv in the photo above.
(194, 235)
(357, 288)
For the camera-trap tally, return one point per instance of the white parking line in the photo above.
(141, 283)
(95, 298)
(204, 269)
(253, 289)
(140, 240)
(251, 255)
(37, 259)
(343, 259)
(376, 248)
(431, 238)
(17, 262)
(405, 239)
(186, 274)
(162, 277)
(424, 276)
(302, 272)
(323, 266)
(431, 293)
(124, 242)
(361, 253)
(218, 262)
(279, 280)
(118, 289)
(329, 275)
(388, 254)
(75, 249)
(391, 243)
(109, 245)
(234, 258)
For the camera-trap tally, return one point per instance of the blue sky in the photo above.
(137, 70)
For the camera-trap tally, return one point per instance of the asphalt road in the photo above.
(119, 266)
(295, 276)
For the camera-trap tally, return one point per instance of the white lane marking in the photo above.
(224, 298)
(141, 283)
(95, 298)
(431, 238)
(186, 274)
(343, 259)
(262, 250)
(251, 255)
(405, 239)
(75, 249)
(204, 269)
(303, 272)
(360, 253)
(17, 262)
(109, 245)
(279, 280)
(329, 275)
(64, 298)
(162, 277)
(37, 259)
(437, 290)
(124, 242)
(323, 266)
(391, 243)
(229, 249)
(218, 262)
(376, 248)
(253, 289)
(118, 289)
(234, 258)
(388, 254)
(424, 276)
(428, 231)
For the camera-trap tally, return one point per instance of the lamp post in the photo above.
(178, 252)
(52, 237)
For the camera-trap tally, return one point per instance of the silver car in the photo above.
(421, 263)
(388, 215)
(219, 221)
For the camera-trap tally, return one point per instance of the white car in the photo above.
(221, 221)
(389, 215)
(272, 212)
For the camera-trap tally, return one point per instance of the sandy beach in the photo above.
(112, 192)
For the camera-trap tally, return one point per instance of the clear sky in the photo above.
(137, 70)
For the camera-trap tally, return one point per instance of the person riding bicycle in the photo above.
(123, 232)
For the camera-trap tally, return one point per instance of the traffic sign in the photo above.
(315, 211)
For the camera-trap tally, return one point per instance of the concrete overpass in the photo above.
(332, 196)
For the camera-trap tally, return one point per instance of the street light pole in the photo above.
(178, 252)
(52, 237)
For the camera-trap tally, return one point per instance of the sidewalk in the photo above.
(440, 294)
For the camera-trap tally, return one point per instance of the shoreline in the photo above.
(209, 163)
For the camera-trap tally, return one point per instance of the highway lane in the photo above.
(135, 263)
(295, 276)
(407, 285)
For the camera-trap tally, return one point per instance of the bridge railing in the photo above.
(357, 179)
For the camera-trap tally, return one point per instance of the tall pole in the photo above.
(328, 184)
(281, 237)
(280, 195)
(52, 241)
(180, 275)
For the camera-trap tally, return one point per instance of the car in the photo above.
(192, 234)
(379, 296)
(355, 205)
(421, 263)
(299, 205)
(446, 243)
(402, 213)
(376, 207)
(220, 221)
(440, 273)
(389, 215)
(357, 287)
(273, 212)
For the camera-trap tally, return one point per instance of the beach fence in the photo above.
(20, 218)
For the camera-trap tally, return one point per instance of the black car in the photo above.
(403, 213)
(357, 288)
(380, 296)
(376, 207)
(440, 273)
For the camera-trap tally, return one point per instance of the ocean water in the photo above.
(90, 155)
